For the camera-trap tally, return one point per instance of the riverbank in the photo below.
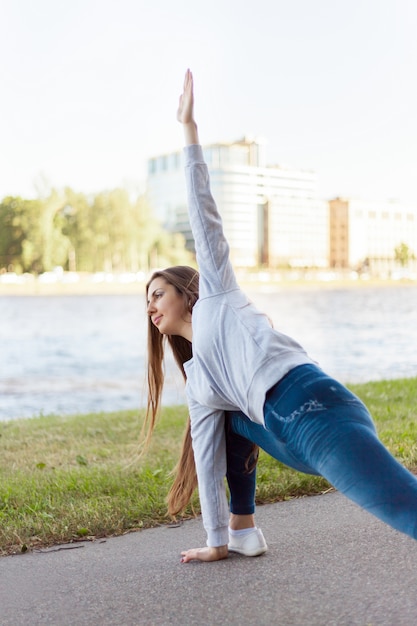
(72, 478)
(58, 283)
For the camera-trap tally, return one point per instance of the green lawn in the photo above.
(70, 478)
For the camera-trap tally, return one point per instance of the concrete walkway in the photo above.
(328, 564)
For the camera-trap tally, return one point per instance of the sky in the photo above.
(90, 89)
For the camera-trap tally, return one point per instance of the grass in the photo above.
(74, 478)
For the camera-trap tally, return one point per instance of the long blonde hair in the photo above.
(185, 280)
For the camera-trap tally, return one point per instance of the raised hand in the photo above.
(185, 112)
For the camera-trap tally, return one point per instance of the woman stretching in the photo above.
(246, 382)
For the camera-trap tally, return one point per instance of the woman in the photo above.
(172, 294)
(272, 392)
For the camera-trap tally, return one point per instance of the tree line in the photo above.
(108, 232)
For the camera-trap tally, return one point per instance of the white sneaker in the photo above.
(252, 544)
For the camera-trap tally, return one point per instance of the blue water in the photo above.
(80, 354)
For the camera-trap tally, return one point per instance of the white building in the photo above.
(369, 235)
(271, 215)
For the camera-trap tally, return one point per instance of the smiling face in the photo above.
(167, 309)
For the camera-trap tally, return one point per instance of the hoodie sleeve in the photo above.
(209, 445)
(212, 249)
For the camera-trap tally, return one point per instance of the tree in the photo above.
(77, 227)
(20, 245)
(403, 254)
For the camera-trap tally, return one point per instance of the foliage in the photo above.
(18, 218)
(403, 254)
(110, 231)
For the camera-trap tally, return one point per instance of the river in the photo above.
(80, 354)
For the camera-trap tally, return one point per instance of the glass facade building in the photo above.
(272, 216)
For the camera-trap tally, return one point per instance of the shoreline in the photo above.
(86, 286)
(138, 410)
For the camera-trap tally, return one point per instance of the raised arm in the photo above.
(185, 113)
(212, 249)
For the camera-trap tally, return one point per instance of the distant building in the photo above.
(371, 235)
(271, 215)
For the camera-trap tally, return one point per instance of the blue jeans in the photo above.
(317, 426)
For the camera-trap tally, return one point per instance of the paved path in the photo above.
(328, 564)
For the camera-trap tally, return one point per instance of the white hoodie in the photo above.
(237, 356)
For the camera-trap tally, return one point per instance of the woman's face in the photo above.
(167, 310)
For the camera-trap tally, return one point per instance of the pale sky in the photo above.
(90, 88)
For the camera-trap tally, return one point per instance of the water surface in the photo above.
(80, 354)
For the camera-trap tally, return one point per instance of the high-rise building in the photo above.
(272, 216)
